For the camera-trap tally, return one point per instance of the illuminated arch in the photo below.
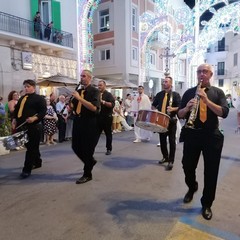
(86, 9)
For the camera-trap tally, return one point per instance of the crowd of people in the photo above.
(90, 111)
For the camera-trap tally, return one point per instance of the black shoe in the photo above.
(163, 161)
(37, 166)
(169, 167)
(189, 195)
(207, 213)
(94, 162)
(83, 179)
(24, 175)
(108, 152)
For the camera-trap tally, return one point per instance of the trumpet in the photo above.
(194, 109)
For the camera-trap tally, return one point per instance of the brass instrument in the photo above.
(194, 109)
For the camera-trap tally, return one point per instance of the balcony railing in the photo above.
(24, 27)
(221, 48)
(221, 72)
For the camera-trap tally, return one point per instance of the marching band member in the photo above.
(168, 102)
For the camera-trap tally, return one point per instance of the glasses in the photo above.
(83, 76)
(204, 71)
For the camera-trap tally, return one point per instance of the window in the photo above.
(105, 54)
(152, 59)
(104, 20)
(134, 19)
(235, 59)
(134, 54)
(220, 82)
(221, 45)
(221, 68)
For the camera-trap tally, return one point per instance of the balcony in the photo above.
(24, 27)
(221, 48)
(221, 73)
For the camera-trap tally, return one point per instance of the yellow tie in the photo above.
(22, 106)
(164, 104)
(203, 111)
(79, 106)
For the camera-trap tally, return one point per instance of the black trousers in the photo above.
(210, 144)
(105, 124)
(32, 156)
(171, 134)
(61, 128)
(84, 141)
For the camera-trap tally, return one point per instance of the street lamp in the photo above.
(167, 55)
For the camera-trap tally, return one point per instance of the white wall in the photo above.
(69, 18)
(15, 7)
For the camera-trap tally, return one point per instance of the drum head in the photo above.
(151, 127)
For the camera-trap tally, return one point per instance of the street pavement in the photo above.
(130, 197)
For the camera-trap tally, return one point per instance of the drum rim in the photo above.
(156, 111)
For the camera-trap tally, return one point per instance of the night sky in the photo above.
(207, 15)
(190, 3)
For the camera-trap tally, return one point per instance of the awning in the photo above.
(115, 83)
(57, 81)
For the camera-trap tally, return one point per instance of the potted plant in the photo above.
(5, 130)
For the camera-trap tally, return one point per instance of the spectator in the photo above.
(48, 30)
(37, 25)
(50, 123)
(2, 112)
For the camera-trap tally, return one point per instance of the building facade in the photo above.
(30, 54)
(224, 56)
(117, 45)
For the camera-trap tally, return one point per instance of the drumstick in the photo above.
(24, 122)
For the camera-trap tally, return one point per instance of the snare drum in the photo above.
(16, 140)
(153, 121)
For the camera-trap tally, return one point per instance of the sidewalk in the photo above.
(130, 197)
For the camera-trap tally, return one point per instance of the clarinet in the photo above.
(194, 109)
(77, 87)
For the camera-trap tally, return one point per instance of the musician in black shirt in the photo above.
(105, 117)
(31, 108)
(173, 101)
(203, 136)
(86, 106)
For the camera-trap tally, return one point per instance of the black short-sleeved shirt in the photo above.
(91, 94)
(158, 100)
(108, 97)
(217, 96)
(35, 104)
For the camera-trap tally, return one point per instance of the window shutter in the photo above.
(56, 14)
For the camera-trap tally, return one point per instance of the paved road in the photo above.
(130, 196)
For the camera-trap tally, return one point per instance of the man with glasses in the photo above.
(86, 105)
(204, 136)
